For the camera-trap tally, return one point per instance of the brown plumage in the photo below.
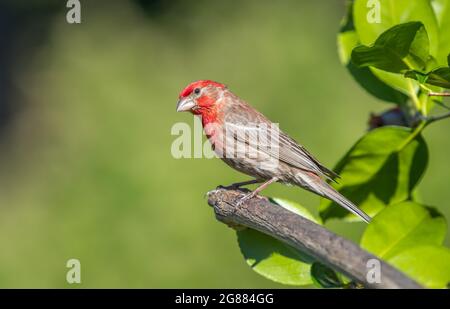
(250, 143)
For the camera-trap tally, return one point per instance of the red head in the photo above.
(200, 97)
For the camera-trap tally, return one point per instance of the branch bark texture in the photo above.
(315, 240)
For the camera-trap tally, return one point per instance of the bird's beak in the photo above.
(185, 105)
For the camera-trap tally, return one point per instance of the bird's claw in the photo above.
(245, 198)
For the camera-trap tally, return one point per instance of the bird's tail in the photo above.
(338, 198)
(314, 183)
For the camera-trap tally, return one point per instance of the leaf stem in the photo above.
(413, 95)
(413, 135)
(426, 88)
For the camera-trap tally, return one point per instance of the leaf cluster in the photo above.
(399, 60)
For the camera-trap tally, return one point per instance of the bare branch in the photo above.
(436, 118)
(328, 248)
(439, 94)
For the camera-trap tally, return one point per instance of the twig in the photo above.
(318, 242)
(439, 94)
(431, 119)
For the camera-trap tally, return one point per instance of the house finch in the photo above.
(255, 145)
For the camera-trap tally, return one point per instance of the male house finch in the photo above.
(220, 110)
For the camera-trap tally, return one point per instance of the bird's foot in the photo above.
(245, 198)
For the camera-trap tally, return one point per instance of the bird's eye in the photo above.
(197, 90)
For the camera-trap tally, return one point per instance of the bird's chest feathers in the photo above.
(213, 131)
(212, 114)
(209, 119)
(211, 124)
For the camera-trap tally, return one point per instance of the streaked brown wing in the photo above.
(289, 151)
(296, 155)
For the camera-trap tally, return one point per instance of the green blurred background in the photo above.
(86, 114)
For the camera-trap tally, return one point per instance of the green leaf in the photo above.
(419, 76)
(402, 226)
(397, 49)
(439, 77)
(394, 12)
(325, 277)
(429, 265)
(348, 39)
(442, 12)
(375, 86)
(272, 258)
(382, 168)
(296, 208)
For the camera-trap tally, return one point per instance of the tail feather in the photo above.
(338, 198)
(316, 184)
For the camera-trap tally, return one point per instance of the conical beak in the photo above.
(185, 104)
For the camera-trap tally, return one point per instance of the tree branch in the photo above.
(328, 248)
(439, 94)
(436, 118)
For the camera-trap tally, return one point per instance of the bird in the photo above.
(249, 142)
